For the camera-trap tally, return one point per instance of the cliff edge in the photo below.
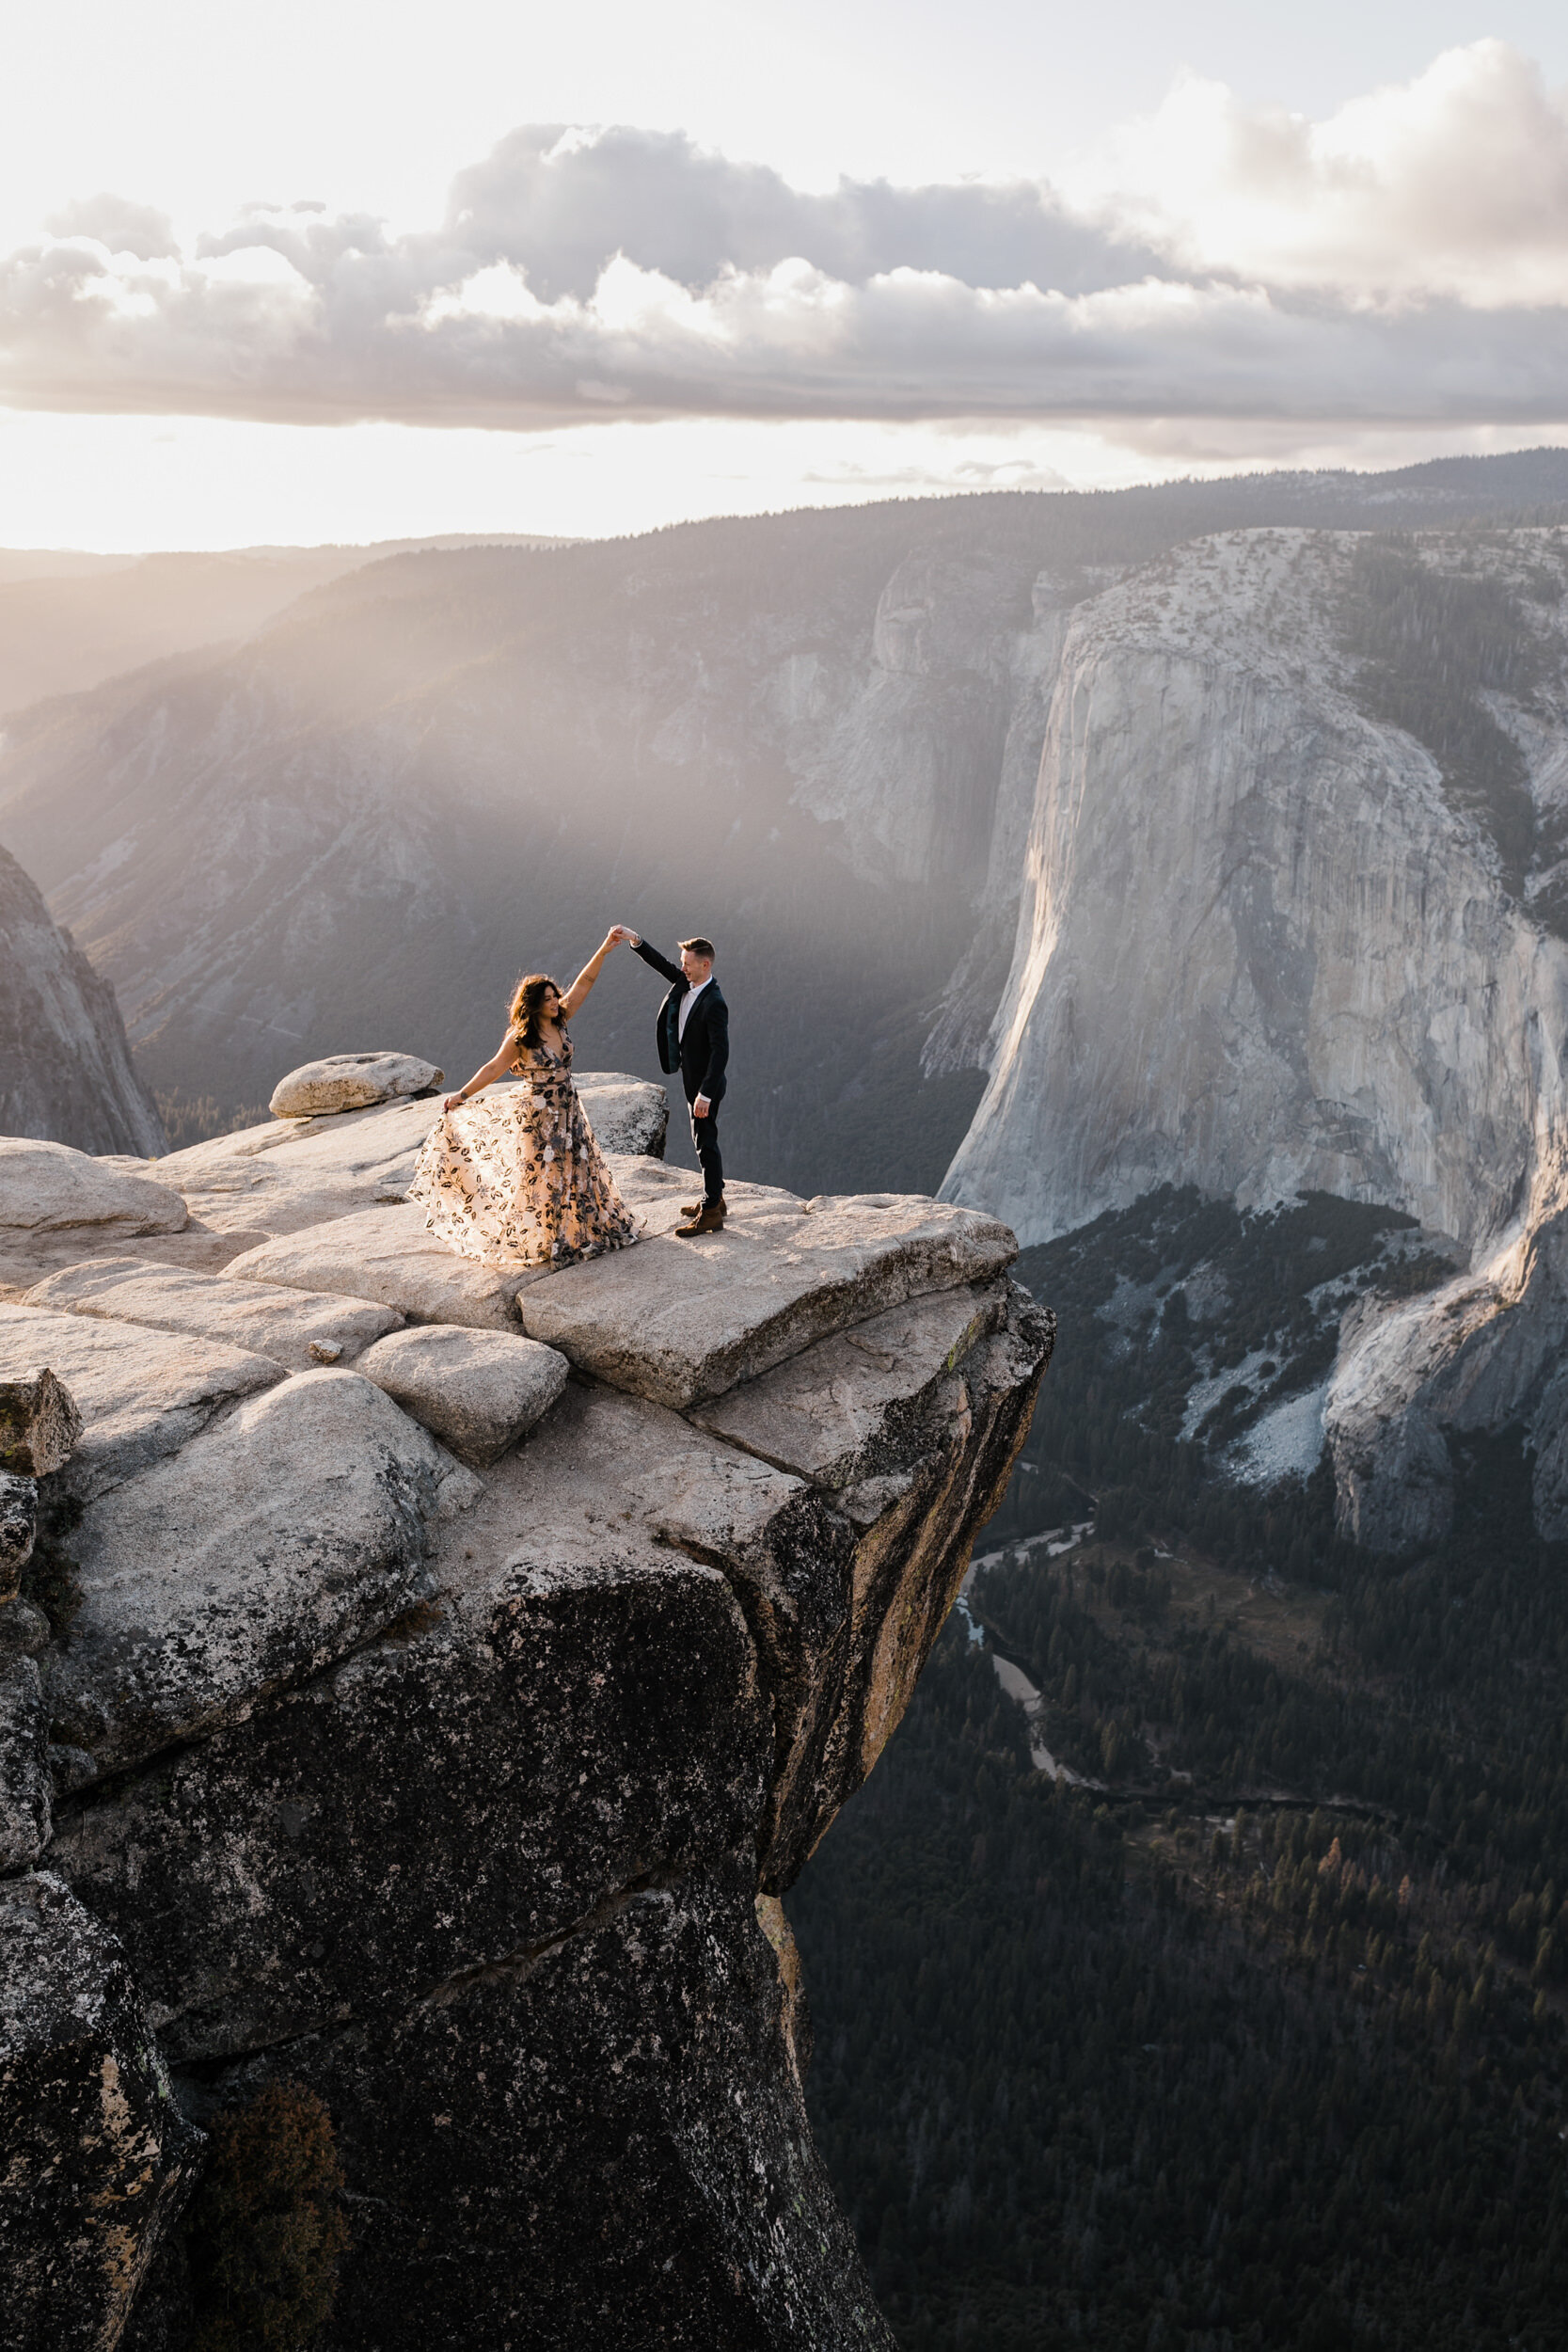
(420, 1685)
(65, 1067)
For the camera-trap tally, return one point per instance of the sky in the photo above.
(348, 272)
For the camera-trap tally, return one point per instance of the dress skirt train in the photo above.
(516, 1178)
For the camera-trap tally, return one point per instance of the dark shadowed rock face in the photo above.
(65, 1067)
(453, 1795)
(89, 2130)
(665, 2188)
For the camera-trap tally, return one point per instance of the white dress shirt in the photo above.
(686, 1002)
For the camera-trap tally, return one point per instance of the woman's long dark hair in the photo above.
(527, 999)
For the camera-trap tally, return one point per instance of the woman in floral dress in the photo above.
(519, 1179)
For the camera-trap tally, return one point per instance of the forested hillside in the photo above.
(1246, 2028)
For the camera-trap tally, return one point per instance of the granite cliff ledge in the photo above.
(445, 1672)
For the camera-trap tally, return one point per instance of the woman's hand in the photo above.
(454, 1102)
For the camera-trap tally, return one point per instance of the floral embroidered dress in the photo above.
(515, 1177)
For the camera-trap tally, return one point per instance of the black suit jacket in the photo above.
(702, 1056)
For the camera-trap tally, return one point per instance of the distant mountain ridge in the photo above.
(67, 621)
(816, 734)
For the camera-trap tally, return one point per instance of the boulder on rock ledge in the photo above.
(299, 1329)
(47, 1191)
(40, 1421)
(142, 1393)
(627, 1114)
(391, 1256)
(478, 1392)
(347, 1082)
(266, 1548)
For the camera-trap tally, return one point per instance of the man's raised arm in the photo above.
(651, 955)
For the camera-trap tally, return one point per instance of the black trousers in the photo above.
(705, 1135)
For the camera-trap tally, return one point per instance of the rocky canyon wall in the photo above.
(1261, 948)
(1271, 940)
(65, 1067)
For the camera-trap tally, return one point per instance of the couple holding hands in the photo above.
(518, 1178)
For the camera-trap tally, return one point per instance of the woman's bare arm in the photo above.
(497, 1067)
(577, 994)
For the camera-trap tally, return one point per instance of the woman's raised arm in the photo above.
(497, 1067)
(577, 994)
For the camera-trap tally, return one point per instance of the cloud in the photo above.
(121, 228)
(1454, 184)
(562, 203)
(1407, 261)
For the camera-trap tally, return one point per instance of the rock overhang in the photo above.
(355, 1730)
(449, 1797)
(48, 1190)
(641, 1646)
(681, 1322)
(579, 1708)
(703, 1322)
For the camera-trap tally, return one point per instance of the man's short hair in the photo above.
(700, 947)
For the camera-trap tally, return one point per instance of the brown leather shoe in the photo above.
(695, 1208)
(708, 1220)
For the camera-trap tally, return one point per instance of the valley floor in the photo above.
(1255, 2037)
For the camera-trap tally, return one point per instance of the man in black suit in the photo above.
(695, 1039)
